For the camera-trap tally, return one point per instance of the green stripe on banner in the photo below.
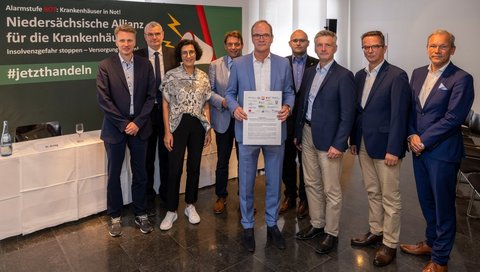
(49, 72)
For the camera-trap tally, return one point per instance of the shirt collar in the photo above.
(439, 71)
(123, 61)
(151, 52)
(324, 68)
(374, 70)
(299, 59)
(256, 60)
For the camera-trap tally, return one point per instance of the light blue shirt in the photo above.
(298, 69)
(128, 71)
(317, 82)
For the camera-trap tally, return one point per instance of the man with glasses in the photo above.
(221, 119)
(162, 59)
(442, 95)
(379, 138)
(299, 61)
(324, 121)
(262, 71)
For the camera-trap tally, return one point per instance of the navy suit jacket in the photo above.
(114, 98)
(383, 122)
(242, 79)
(439, 122)
(218, 73)
(333, 110)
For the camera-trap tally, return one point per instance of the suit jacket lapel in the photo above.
(327, 76)
(418, 88)
(117, 65)
(378, 80)
(273, 74)
(441, 79)
(251, 73)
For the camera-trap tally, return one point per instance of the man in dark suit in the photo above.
(126, 93)
(262, 71)
(325, 117)
(379, 138)
(442, 95)
(299, 61)
(162, 59)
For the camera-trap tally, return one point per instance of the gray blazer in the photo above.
(218, 73)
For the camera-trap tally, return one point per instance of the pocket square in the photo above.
(442, 87)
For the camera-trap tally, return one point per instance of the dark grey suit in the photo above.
(156, 138)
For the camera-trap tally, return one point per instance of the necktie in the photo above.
(157, 78)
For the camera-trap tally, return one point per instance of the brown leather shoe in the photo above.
(366, 240)
(219, 206)
(421, 248)
(384, 255)
(434, 267)
(302, 210)
(287, 204)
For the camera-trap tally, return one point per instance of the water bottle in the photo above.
(6, 141)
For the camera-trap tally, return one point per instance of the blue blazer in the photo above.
(439, 122)
(218, 73)
(383, 122)
(114, 98)
(242, 79)
(333, 110)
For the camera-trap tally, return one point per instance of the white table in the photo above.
(50, 181)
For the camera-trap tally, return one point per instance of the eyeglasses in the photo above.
(299, 40)
(187, 53)
(373, 47)
(157, 34)
(260, 36)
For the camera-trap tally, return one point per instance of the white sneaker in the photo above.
(192, 214)
(167, 222)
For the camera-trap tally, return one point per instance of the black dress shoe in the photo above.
(309, 233)
(366, 240)
(327, 244)
(275, 235)
(384, 255)
(248, 240)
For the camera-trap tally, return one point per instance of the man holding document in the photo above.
(260, 96)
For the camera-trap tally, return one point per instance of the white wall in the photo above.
(408, 24)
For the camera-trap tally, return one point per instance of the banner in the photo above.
(50, 51)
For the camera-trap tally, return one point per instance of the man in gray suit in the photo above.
(221, 119)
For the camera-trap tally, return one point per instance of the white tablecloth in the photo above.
(50, 181)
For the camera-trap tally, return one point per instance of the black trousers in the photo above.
(116, 155)
(224, 150)
(289, 175)
(156, 141)
(190, 136)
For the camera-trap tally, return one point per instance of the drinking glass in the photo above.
(79, 130)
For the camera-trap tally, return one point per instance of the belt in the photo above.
(131, 117)
(308, 122)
